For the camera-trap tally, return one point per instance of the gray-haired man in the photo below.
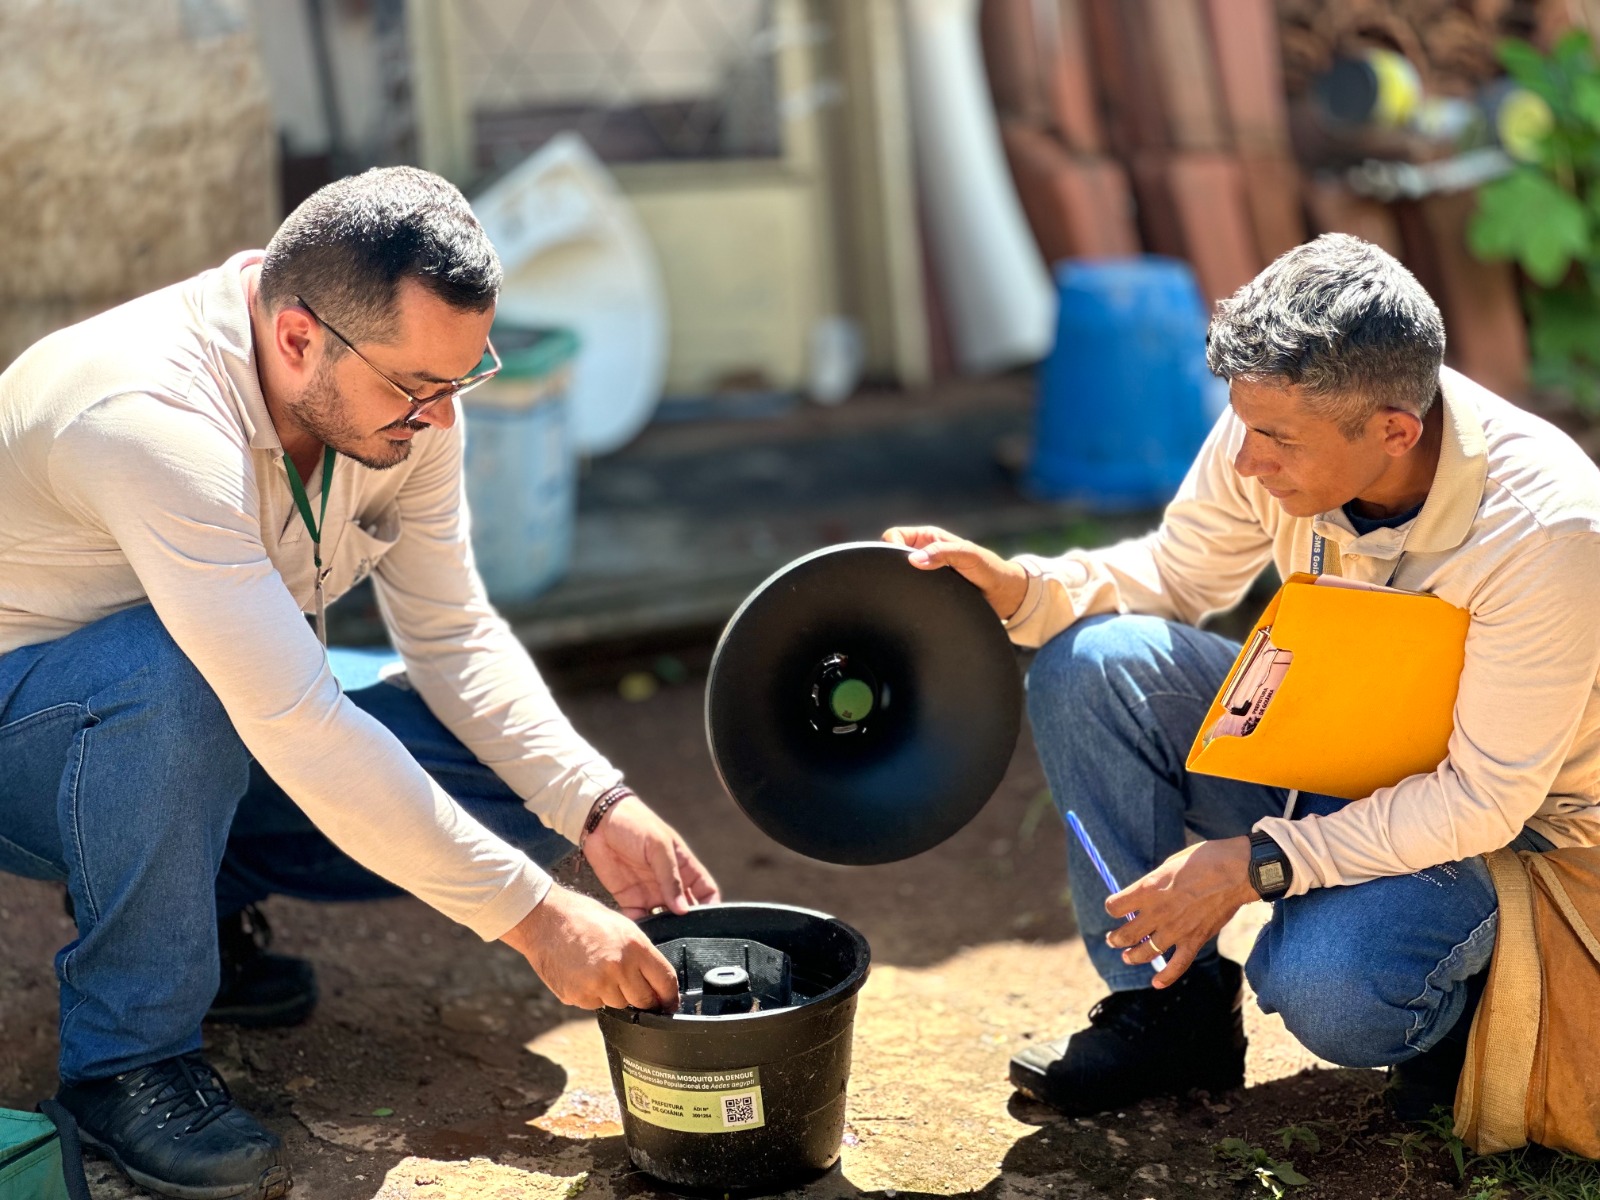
(1348, 448)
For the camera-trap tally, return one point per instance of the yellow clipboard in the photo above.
(1368, 699)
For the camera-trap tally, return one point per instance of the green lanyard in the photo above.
(314, 527)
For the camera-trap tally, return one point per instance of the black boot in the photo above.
(1144, 1043)
(259, 990)
(1428, 1081)
(173, 1129)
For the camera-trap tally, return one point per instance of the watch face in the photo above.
(1270, 874)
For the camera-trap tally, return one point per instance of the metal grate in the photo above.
(397, 127)
(641, 80)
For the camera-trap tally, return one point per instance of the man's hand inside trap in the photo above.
(1182, 905)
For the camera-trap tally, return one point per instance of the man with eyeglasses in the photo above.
(187, 478)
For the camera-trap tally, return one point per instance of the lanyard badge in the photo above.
(314, 527)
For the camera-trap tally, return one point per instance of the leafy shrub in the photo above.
(1545, 214)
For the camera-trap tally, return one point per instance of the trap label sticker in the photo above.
(693, 1101)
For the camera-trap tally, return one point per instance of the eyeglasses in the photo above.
(419, 405)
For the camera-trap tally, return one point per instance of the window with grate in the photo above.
(641, 80)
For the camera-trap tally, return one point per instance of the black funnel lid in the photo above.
(860, 710)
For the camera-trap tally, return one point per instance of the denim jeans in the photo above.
(1363, 976)
(121, 776)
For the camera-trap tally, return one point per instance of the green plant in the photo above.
(1532, 1173)
(1487, 1187)
(1275, 1177)
(1414, 1146)
(1303, 1134)
(1442, 1125)
(1320, 1136)
(1545, 214)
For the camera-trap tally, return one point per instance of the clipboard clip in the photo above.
(1261, 671)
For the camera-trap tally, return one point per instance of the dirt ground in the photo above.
(439, 1068)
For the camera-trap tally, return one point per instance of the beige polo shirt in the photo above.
(1510, 532)
(138, 464)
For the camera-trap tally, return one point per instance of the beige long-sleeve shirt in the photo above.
(1510, 532)
(138, 463)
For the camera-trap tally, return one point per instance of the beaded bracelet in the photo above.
(608, 800)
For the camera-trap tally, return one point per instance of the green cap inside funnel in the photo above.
(851, 700)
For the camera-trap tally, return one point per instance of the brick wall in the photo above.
(1178, 127)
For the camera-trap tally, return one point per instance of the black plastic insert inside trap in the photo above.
(724, 976)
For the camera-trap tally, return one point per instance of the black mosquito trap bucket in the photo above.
(742, 1089)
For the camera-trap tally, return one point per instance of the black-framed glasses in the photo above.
(419, 405)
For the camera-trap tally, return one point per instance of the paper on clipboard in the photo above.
(1245, 700)
(1356, 585)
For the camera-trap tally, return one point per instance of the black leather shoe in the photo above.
(1144, 1043)
(1422, 1085)
(173, 1128)
(259, 990)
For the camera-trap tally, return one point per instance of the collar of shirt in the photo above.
(1453, 500)
(225, 306)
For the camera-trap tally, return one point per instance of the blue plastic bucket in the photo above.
(520, 468)
(1124, 398)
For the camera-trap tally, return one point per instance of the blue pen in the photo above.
(1159, 962)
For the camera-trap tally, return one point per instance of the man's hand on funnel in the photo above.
(1182, 905)
(644, 864)
(1004, 584)
(592, 957)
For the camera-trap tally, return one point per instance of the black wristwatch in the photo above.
(1270, 872)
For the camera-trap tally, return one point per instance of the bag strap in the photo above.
(1557, 891)
(71, 1149)
(1492, 1099)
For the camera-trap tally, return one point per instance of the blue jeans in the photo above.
(121, 775)
(1363, 976)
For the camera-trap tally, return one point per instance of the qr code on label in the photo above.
(739, 1110)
